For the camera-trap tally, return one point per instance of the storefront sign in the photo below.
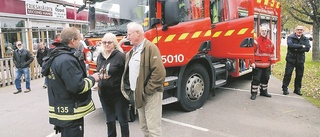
(45, 9)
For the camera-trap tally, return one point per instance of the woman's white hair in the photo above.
(113, 38)
(134, 26)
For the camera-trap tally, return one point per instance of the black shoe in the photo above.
(285, 92)
(28, 90)
(253, 96)
(18, 91)
(265, 94)
(298, 93)
(44, 86)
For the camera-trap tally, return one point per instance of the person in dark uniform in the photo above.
(298, 44)
(69, 88)
(110, 63)
(264, 58)
(41, 53)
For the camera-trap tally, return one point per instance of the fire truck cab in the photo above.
(202, 42)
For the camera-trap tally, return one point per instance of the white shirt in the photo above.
(134, 66)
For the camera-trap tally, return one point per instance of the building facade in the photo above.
(33, 21)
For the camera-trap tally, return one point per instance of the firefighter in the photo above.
(261, 64)
(68, 86)
(298, 44)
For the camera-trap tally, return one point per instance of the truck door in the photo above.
(232, 29)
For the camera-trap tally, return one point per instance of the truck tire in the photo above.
(194, 87)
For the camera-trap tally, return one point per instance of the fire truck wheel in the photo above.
(195, 87)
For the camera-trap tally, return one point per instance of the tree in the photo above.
(308, 12)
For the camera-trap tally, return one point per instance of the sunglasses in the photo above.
(107, 42)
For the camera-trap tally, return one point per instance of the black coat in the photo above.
(69, 90)
(296, 53)
(41, 55)
(116, 60)
(23, 59)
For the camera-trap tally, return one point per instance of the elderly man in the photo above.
(22, 59)
(298, 44)
(68, 86)
(143, 76)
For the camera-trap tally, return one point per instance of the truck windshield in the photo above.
(120, 13)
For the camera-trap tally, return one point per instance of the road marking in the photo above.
(184, 124)
(51, 135)
(244, 90)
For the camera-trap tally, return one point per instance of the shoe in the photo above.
(285, 92)
(298, 93)
(18, 91)
(44, 86)
(253, 96)
(265, 93)
(28, 90)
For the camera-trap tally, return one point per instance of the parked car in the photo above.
(308, 35)
(283, 34)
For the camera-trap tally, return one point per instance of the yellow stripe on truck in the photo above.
(196, 34)
(229, 33)
(242, 31)
(156, 39)
(170, 37)
(183, 36)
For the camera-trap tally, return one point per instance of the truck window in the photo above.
(191, 10)
(215, 10)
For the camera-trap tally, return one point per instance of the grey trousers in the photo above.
(150, 115)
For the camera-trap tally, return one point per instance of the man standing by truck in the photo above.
(143, 79)
(298, 44)
(263, 59)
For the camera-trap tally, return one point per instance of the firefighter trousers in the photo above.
(260, 77)
(76, 129)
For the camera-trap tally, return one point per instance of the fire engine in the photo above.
(202, 42)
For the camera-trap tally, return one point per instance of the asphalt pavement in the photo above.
(229, 114)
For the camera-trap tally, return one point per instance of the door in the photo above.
(232, 29)
(45, 35)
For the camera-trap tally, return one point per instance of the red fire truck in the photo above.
(202, 42)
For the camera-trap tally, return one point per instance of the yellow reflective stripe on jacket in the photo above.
(70, 117)
(83, 108)
(78, 112)
(88, 85)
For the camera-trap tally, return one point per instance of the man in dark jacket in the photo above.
(41, 53)
(68, 86)
(298, 44)
(22, 59)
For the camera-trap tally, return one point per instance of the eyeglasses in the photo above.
(19, 44)
(128, 34)
(107, 42)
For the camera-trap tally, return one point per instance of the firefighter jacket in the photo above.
(69, 89)
(22, 58)
(296, 52)
(263, 52)
(151, 75)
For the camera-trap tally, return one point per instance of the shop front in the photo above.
(34, 21)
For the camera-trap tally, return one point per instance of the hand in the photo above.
(95, 76)
(272, 65)
(104, 76)
(253, 65)
(124, 39)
